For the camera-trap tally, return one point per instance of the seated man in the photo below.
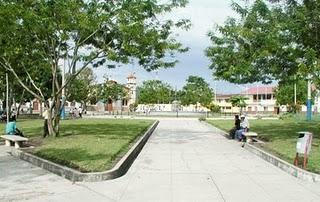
(236, 127)
(244, 127)
(11, 128)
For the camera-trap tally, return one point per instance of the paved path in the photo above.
(183, 161)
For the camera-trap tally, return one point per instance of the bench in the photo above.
(17, 140)
(250, 136)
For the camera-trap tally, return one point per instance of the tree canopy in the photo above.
(273, 40)
(80, 88)
(155, 92)
(111, 90)
(285, 93)
(196, 90)
(239, 101)
(41, 33)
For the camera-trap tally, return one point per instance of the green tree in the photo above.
(239, 101)
(41, 33)
(154, 92)
(269, 42)
(112, 90)
(80, 88)
(214, 108)
(133, 107)
(285, 94)
(196, 90)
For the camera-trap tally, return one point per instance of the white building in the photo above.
(260, 99)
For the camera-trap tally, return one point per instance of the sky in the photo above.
(204, 15)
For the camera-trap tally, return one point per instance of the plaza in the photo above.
(184, 160)
(160, 101)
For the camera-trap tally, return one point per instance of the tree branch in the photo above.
(78, 72)
(32, 81)
(8, 67)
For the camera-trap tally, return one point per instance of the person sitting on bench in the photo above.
(236, 127)
(11, 128)
(244, 128)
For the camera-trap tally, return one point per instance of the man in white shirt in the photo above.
(244, 123)
(45, 115)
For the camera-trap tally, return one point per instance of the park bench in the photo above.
(17, 140)
(250, 136)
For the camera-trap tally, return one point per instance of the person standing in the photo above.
(45, 115)
(80, 112)
(14, 114)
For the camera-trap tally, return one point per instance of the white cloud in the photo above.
(204, 15)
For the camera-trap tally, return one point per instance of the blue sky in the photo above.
(204, 15)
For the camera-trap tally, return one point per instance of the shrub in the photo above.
(286, 115)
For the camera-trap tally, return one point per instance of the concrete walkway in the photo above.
(183, 161)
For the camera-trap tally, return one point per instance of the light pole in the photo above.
(309, 104)
(63, 97)
(7, 97)
(295, 90)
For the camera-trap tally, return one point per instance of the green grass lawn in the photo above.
(89, 145)
(280, 137)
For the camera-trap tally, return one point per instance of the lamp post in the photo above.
(63, 97)
(7, 97)
(309, 104)
(295, 90)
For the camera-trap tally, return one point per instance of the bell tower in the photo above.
(132, 85)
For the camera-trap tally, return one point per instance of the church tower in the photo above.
(132, 86)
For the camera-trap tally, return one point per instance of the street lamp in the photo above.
(7, 97)
(63, 97)
(309, 104)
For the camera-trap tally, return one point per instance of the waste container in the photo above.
(304, 143)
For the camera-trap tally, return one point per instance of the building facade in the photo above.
(260, 99)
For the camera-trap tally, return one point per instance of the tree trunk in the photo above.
(9, 101)
(56, 116)
(57, 125)
(41, 109)
(31, 106)
(50, 125)
(20, 103)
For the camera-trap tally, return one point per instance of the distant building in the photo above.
(223, 100)
(124, 104)
(132, 88)
(260, 99)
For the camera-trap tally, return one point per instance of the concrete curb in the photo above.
(118, 170)
(283, 165)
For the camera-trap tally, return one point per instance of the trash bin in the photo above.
(304, 143)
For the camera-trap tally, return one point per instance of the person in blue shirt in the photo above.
(11, 128)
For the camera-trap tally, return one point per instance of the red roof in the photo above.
(259, 90)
